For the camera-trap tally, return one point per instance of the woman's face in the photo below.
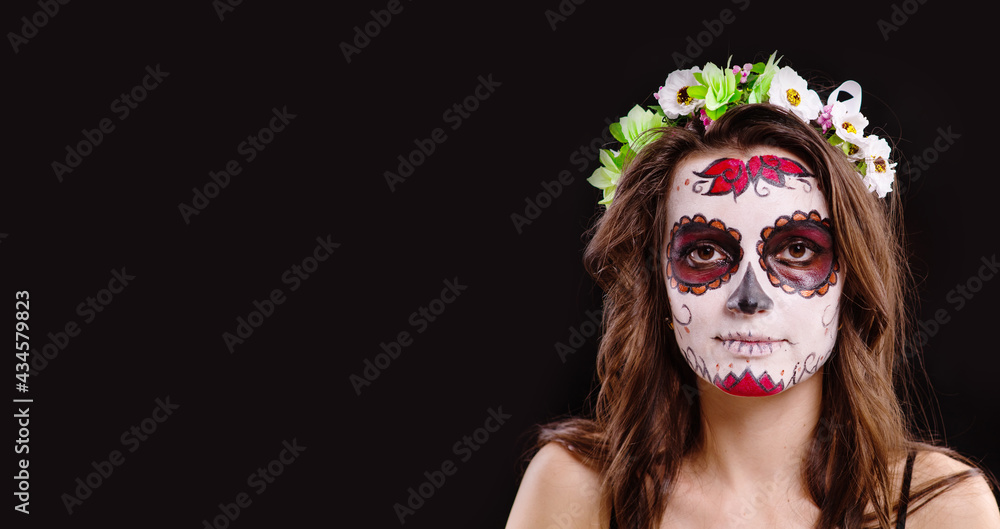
(752, 277)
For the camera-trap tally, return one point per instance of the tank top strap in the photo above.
(904, 494)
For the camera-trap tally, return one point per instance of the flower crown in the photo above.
(707, 94)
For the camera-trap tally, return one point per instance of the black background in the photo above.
(493, 347)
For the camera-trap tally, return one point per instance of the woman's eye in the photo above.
(796, 252)
(706, 255)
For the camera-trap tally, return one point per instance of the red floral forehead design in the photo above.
(729, 175)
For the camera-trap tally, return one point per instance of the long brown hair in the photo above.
(647, 418)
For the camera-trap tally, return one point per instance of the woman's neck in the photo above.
(749, 442)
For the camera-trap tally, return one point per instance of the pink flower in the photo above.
(826, 118)
(705, 120)
(743, 72)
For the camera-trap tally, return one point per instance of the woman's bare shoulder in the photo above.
(558, 489)
(968, 504)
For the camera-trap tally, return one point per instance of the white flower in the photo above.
(790, 91)
(850, 127)
(879, 173)
(855, 151)
(673, 96)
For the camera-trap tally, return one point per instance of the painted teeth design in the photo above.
(749, 348)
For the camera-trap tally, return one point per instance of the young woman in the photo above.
(752, 368)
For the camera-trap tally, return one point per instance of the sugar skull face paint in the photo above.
(752, 314)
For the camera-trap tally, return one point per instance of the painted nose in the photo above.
(749, 298)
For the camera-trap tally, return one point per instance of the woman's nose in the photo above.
(749, 298)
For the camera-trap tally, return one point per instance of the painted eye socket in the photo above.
(702, 254)
(797, 253)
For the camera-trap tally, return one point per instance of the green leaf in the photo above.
(714, 114)
(758, 68)
(600, 178)
(697, 77)
(616, 131)
(608, 155)
(697, 92)
(763, 83)
(608, 196)
(626, 153)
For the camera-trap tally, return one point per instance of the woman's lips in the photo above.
(749, 347)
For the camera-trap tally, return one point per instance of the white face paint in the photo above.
(753, 282)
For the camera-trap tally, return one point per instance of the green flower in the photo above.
(632, 127)
(718, 88)
(606, 177)
(763, 83)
